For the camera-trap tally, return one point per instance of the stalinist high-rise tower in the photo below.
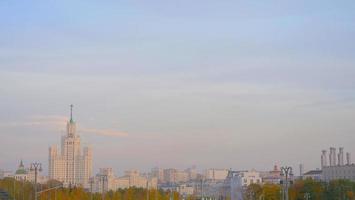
(70, 166)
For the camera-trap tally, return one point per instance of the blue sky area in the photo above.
(234, 84)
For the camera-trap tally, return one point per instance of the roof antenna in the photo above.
(71, 112)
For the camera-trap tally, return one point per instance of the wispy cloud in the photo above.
(59, 122)
(38, 120)
(104, 132)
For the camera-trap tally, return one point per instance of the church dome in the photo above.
(21, 169)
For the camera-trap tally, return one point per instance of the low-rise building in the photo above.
(313, 174)
(5, 174)
(272, 177)
(105, 180)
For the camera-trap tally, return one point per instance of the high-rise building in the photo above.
(70, 166)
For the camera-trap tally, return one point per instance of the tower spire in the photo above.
(71, 112)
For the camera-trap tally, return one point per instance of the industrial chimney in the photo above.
(301, 170)
(332, 156)
(324, 158)
(341, 156)
(348, 158)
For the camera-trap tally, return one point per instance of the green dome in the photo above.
(21, 169)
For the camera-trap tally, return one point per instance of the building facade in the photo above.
(69, 165)
(216, 174)
(313, 174)
(338, 168)
(272, 177)
(105, 181)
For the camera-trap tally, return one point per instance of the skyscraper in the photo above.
(70, 166)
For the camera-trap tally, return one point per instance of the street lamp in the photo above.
(36, 167)
(91, 181)
(307, 196)
(103, 178)
(202, 194)
(286, 174)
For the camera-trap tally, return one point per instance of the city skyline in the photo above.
(237, 85)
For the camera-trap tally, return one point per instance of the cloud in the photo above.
(59, 122)
(104, 132)
(38, 120)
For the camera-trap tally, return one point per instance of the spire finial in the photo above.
(71, 112)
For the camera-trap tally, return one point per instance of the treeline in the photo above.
(24, 190)
(299, 190)
(304, 190)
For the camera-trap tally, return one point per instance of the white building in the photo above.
(70, 165)
(242, 179)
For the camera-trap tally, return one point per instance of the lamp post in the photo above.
(91, 181)
(307, 196)
(286, 174)
(202, 195)
(103, 178)
(36, 167)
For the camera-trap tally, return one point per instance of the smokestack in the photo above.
(332, 156)
(324, 158)
(348, 158)
(301, 170)
(341, 156)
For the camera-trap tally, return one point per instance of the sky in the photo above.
(212, 84)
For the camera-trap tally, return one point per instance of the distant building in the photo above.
(70, 166)
(272, 177)
(158, 173)
(240, 180)
(313, 174)
(216, 174)
(337, 170)
(21, 173)
(185, 190)
(175, 176)
(105, 180)
(4, 174)
(191, 173)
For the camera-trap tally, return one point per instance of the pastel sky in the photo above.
(222, 84)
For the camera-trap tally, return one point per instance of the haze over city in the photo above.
(220, 84)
